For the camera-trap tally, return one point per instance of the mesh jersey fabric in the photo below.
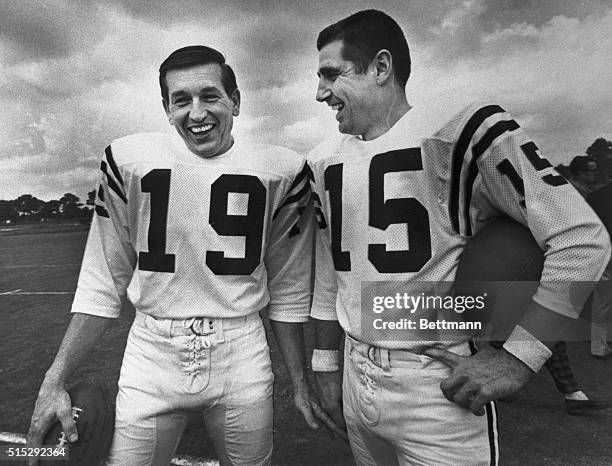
(452, 178)
(182, 236)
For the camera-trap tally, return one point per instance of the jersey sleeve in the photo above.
(289, 254)
(507, 168)
(109, 259)
(325, 284)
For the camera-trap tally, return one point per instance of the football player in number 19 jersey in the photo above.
(397, 196)
(200, 232)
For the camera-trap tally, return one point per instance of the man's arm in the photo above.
(288, 260)
(328, 335)
(326, 363)
(108, 266)
(575, 249)
(53, 402)
(290, 338)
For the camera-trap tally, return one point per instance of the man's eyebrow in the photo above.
(204, 90)
(209, 89)
(178, 94)
(327, 71)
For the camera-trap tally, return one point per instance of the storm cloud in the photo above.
(76, 75)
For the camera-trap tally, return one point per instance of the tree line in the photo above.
(29, 209)
(599, 152)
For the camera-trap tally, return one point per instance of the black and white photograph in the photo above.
(306, 233)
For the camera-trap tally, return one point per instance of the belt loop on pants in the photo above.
(380, 357)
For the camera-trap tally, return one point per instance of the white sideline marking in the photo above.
(190, 461)
(19, 292)
(9, 437)
(37, 266)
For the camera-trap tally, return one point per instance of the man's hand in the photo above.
(314, 415)
(329, 385)
(290, 338)
(475, 380)
(53, 404)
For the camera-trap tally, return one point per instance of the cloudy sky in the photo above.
(75, 74)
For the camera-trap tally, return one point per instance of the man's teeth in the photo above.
(201, 129)
(338, 106)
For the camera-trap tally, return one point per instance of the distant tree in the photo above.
(28, 206)
(601, 151)
(51, 209)
(91, 198)
(70, 206)
(8, 211)
(600, 147)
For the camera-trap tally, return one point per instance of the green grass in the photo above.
(534, 429)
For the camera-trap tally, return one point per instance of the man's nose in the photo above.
(198, 110)
(323, 91)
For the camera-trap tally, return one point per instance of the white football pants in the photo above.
(169, 372)
(396, 413)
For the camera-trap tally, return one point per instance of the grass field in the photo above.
(40, 266)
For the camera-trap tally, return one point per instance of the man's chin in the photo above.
(204, 149)
(212, 148)
(345, 129)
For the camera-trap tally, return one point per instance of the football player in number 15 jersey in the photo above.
(201, 233)
(398, 195)
(430, 186)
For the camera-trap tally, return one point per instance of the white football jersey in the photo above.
(401, 207)
(186, 236)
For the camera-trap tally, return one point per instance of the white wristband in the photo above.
(524, 346)
(325, 360)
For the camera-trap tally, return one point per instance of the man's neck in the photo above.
(391, 112)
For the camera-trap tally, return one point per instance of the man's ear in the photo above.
(236, 102)
(383, 66)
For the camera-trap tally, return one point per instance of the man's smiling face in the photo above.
(349, 93)
(200, 109)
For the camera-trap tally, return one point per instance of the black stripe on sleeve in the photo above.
(295, 198)
(101, 194)
(300, 176)
(480, 148)
(459, 155)
(111, 182)
(111, 163)
(305, 172)
(493, 133)
(101, 211)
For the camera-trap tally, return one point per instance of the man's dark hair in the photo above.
(194, 55)
(582, 164)
(364, 34)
